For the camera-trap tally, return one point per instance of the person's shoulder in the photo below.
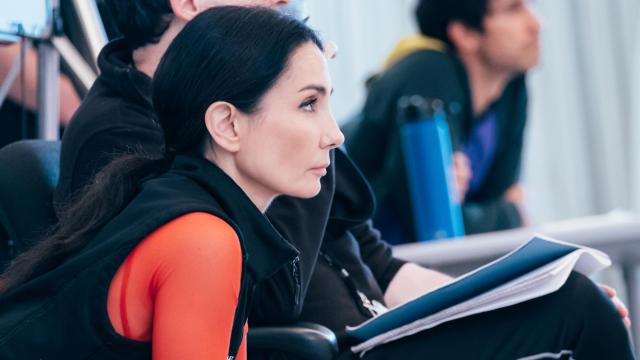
(425, 63)
(426, 72)
(102, 113)
(197, 224)
(195, 252)
(196, 235)
(117, 97)
(431, 57)
(104, 107)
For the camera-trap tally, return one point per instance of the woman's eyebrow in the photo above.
(319, 88)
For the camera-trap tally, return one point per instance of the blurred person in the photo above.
(472, 55)
(18, 114)
(19, 110)
(160, 256)
(22, 96)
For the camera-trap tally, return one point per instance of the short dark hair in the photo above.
(140, 22)
(434, 16)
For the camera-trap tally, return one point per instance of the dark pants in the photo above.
(576, 322)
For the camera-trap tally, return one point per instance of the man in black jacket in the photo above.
(471, 55)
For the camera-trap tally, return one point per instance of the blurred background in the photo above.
(581, 155)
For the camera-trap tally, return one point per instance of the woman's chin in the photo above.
(306, 192)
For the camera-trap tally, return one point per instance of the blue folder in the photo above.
(534, 254)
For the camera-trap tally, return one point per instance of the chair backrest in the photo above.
(29, 171)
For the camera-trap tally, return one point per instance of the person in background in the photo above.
(18, 114)
(22, 96)
(472, 55)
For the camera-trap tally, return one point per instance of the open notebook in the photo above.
(538, 267)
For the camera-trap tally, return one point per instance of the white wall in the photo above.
(365, 32)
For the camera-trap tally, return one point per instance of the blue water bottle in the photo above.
(428, 157)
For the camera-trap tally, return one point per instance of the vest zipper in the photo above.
(295, 268)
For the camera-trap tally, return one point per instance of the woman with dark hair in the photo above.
(161, 256)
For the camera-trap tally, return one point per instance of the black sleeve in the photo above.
(352, 211)
(376, 254)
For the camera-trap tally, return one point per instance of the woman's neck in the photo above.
(260, 196)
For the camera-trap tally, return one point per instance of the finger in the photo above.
(609, 290)
(622, 309)
(461, 158)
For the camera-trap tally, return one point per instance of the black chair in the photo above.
(28, 175)
(29, 171)
(302, 340)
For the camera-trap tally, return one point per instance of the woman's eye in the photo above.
(309, 105)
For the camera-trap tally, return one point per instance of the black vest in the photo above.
(62, 314)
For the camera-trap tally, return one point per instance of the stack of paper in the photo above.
(537, 268)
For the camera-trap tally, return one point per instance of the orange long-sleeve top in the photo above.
(179, 289)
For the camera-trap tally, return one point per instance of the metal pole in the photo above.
(48, 91)
(49, 82)
(77, 64)
(92, 26)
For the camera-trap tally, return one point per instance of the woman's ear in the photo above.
(221, 122)
(184, 9)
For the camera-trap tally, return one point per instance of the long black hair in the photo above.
(230, 53)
